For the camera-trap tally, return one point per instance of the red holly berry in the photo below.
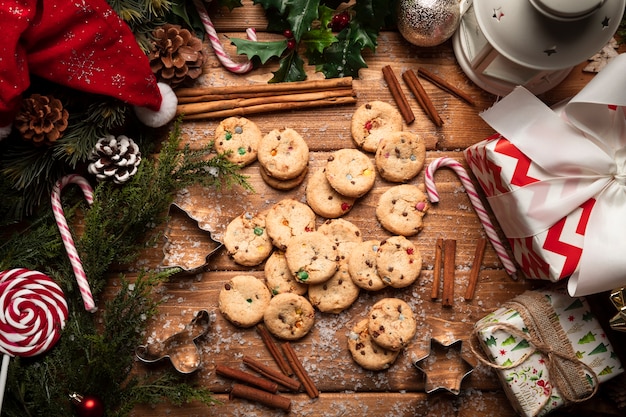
(339, 21)
(287, 33)
(291, 44)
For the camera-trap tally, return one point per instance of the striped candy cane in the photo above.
(226, 61)
(476, 203)
(66, 235)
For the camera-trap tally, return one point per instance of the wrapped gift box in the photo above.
(517, 339)
(555, 179)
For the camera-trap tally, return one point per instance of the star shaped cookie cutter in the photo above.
(183, 237)
(436, 365)
(180, 348)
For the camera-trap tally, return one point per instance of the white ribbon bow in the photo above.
(581, 150)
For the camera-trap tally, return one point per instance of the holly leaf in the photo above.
(279, 5)
(231, 4)
(300, 15)
(364, 37)
(291, 68)
(263, 50)
(373, 13)
(341, 59)
(319, 38)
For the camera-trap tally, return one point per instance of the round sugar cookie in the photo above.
(243, 300)
(401, 209)
(391, 323)
(246, 239)
(373, 121)
(283, 185)
(343, 233)
(239, 138)
(286, 219)
(336, 294)
(279, 278)
(365, 352)
(324, 199)
(362, 266)
(312, 257)
(284, 154)
(289, 316)
(400, 156)
(350, 172)
(398, 261)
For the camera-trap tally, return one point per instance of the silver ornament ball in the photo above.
(428, 22)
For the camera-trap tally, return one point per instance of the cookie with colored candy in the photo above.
(246, 239)
(279, 278)
(312, 257)
(282, 185)
(391, 324)
(400, 156)
(243, 300)
(336, 294)
(324, 199)
(239, 139)
(401, 209)
(350, 172)
(343, 233)
(398, 261)
(362, 266)
(284, 154)
(286, 219)
(365, 352)
(373, 121)
(289, 316)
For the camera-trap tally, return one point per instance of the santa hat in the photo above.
(81, 44)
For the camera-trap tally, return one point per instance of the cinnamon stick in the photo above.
(398, 94)
(422, 96)
(289, 87)
(263, 397)
(437, 269)
(478, 260)
(449, 255)
(272, 107)
(272, 374)
(239, 375)
(303, 376)
(268, 340)
(444, 85)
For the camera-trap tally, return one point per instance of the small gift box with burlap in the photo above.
(549, 350)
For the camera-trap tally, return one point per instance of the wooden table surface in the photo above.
(346, 389)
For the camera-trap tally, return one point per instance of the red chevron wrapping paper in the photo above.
(555, 179)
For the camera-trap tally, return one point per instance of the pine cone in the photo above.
(176, 55)
(115, 158)
(41, 119)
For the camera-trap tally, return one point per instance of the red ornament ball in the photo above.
(87, 406)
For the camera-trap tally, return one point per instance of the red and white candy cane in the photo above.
(227, 62)
(490, 230)
(66, 235)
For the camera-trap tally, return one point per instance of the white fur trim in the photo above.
(4, 131)
(165, 114)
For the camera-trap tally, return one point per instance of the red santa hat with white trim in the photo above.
(81, 44)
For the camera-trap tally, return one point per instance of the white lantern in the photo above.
(501, 44)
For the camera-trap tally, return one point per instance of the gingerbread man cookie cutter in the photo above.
(181, 348)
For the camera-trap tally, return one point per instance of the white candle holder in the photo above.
(501, 44)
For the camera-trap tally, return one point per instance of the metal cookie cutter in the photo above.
(180, 348)
(443, 371)
(183, 237)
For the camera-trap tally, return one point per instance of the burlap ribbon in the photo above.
(545, 334)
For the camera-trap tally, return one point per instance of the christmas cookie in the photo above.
(243, 300)
(324, 199)
(336, 294)
(286, 219)
(401, 208)
(239, 138)
(398, 262)
(365, 352)
(279, 278)
(312, 257)
(373, 121)
(391, 324)
(283, 154)
(350, 172)
(246, 239)
(343, 233)
(400, 156)
(282, 185)
(362, 266)
(289, 316)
